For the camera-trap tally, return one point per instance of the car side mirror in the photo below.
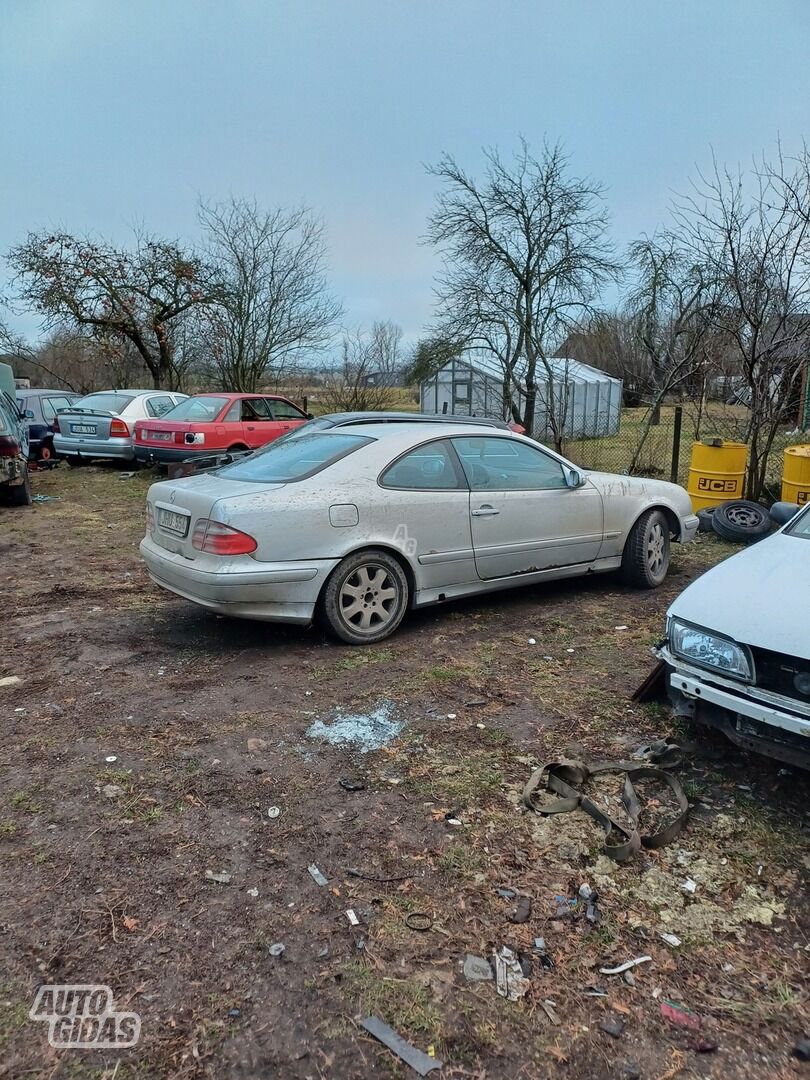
(310, 416)
(28, 414)
(574, 478)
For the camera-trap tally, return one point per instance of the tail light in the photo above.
(219, 539)
(195, 438)
(119, 430)
(179, 437)
(150, 518)
(9, 447)
(55, 425)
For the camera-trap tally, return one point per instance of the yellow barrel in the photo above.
(796, 475)
(716, 472)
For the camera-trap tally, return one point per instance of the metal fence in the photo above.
(663, 448)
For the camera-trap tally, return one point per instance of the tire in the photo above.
(741, 521)
(645, 561)
(20, 494)
(46, 452)
(706, 519)
(237, 448)
(353, 597)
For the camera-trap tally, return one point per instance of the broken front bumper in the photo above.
(755, 719)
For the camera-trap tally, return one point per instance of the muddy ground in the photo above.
(106, 865)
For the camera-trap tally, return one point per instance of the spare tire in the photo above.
(782, 512)
(705, 517)
(741, 521)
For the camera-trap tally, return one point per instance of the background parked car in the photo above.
(101, 425)
(207, 423)
(362, 524)
(14, 482)
(40, 408)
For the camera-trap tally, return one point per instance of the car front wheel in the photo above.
(366, 598)
(646, 554)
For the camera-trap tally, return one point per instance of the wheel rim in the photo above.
(657, 550)
(368, 599)
(745, 517)
(45, 453)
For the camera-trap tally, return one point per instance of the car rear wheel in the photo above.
(46, 452)
(645, 561)
(20, 494)
(366, 598)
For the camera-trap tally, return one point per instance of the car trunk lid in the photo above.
(84, 424)
(165, 432)
(177, 505)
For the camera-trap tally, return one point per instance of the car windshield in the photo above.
(114, 403)
(801, 525)
(197, 408)
(284, 462)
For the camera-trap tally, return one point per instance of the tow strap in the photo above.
(567, 778)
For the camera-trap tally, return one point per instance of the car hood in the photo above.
(759, 597)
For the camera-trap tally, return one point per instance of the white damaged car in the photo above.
(738, 645)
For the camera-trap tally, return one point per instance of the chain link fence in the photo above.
(661, 447)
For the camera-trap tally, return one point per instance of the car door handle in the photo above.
(485, 511)
(251, 427)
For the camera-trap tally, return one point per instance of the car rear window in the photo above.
(114, 403)
(286, 461)
(197, 408)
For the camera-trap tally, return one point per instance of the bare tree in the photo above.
(429, 355)
(670, 312)
(275, 305)
(386, 351)
(135, 295)
(350, 386)
(525, 257)
(751, 233)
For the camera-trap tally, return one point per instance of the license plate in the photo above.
(172, 522)
(83, 429)
(161, 436)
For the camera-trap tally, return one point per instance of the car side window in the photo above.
(51, 404)
(283, 410)
(234, 414)
(427, 468)
(255, 409)
(493, 464)
(157, 406)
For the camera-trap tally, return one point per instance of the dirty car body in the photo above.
(363, 524)
(738, 645)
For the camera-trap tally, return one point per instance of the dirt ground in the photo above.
(107, 864)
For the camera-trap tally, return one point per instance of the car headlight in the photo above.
(709, 650)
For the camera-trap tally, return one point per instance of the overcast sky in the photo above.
(117, 112)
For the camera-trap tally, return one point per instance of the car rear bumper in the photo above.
(273, 592)
(167, 454)
(120, 449)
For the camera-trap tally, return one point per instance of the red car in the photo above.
(213, 423)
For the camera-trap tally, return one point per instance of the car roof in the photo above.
(236, 394)
(40, 392)
(417, 428)
(391, 414)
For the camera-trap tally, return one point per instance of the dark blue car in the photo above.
(40, 407)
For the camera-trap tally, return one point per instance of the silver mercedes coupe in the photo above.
(357, 526)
